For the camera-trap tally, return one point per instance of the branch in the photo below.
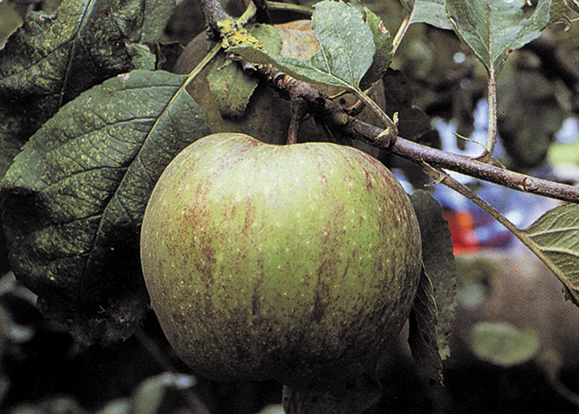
(336, 117)
(323, 108)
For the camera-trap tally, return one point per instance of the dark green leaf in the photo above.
(493, 28)
(422, 336)
(383, 45)
(74, 197)
(230, 86)
(557, 234)
(269, 38)
(141, 57)
(10, 141)
(503, 344)
(408, 5)
(141, 21)
(431, 12)
(438, 261)
(49, 61)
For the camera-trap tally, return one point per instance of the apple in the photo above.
(298, 263)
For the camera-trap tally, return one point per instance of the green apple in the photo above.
(298, 263)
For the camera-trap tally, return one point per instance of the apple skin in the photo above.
(298, 263)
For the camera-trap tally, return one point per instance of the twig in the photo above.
(492, 105)
(482, 171)
(289, 7)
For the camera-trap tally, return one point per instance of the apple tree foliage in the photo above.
(91, 115)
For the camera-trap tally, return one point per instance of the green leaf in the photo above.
(11, 17)
(141, 21)
(503, 344)
(74, 197)
(229, 84)
(431, 12)
(49, 61)
(153, 392)
(438, 261)
(492, 28)
(557, 234)
(408, 5)
(422, 336)
(383, 46)
(347, 49)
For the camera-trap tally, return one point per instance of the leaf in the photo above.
(141, 21)
(11, 17)
(408, 5)
(492, 28)
(49, 61)
(74, 197)
(438, 261)
(229, 84)
(383, 46)
(161, 393)
(557, 234)
(503, 344)
(347, 49)
(422, 336)
(431, 12)
(298, 40)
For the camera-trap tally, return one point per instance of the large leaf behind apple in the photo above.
(74, 198)
(433, 309)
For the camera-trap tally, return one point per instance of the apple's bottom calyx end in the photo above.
(352, 397)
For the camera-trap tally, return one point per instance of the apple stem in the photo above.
(299, 110)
